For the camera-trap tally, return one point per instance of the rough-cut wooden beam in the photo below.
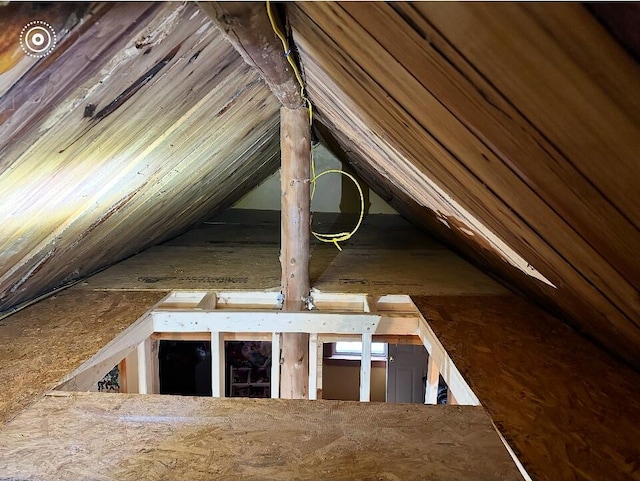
(246, 25)
(295, 146)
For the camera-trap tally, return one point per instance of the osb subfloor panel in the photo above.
(239, 250)
(42, 343)
(111, 436)
(569, 411)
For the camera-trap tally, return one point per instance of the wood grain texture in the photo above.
(61, 17)
(295, 231)
(146, 122)
(246, 25)
(568, 410)
(239, 250)
(414, 100)
(98, 436)
(295, 210)
(42, 343)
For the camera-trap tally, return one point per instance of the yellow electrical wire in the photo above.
(328, 238)
(287, 54)
(341, 236)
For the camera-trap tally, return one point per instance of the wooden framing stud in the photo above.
(365, 368)
(217, 365)
(431, 388)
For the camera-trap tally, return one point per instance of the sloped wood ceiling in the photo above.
(141, 122)
(511, 129)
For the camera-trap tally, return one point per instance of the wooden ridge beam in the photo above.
(246, 25)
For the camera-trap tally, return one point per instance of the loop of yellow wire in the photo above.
(341, 236)
(329, 238)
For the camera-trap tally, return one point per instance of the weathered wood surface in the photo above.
(144, 122)
(246, 25)
(505, 149)
(102, 436)
(295, 211)
(239, 250)
(62, 17)
(569, 411)
(42, 343)
(295, 231)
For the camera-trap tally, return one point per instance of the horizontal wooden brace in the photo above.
(280, 321)
(206, 336)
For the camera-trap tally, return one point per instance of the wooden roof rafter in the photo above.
(247, 27)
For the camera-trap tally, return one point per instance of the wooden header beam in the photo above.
(286, 322)
(246, 25)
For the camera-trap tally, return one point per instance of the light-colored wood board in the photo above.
(285, 322)
(365, 368)
(392, 271)
(115, 351)
(445, 366)
(314, 349)
(167, 267)
(101, 436)
(569, 410)
(206, 336)
(386, 256)
(42, 343)
(377, 230)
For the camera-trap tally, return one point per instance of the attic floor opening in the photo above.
(189, 327)
(494, 338)
(189, 317)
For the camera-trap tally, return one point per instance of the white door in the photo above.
(406, 371)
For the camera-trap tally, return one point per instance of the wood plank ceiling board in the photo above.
(100, 436)
(144, 123)
(44, 342)
(480, 152)
(568, 409)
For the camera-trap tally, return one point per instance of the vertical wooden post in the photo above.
(217, 365)
(319, 358)
(144, 366)
(295, 145)
(433, 376)
(132, 372)
(313, 366)
(154, 370)
(122, 369)
(275, 365)
(365, 368)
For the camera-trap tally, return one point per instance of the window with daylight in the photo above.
(354, 348)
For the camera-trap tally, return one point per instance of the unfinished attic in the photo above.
(319, 241)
